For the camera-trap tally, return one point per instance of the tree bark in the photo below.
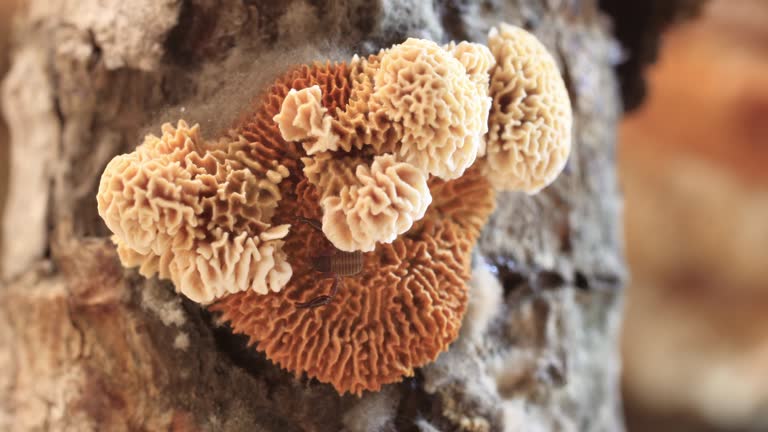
(90, 346)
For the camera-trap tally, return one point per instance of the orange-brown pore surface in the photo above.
(400, 312)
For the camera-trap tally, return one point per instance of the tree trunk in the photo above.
(90, 346)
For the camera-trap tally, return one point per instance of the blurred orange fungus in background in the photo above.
(694, 166)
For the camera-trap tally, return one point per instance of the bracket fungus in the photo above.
(529, 136)
(402, 310)
(381, 151)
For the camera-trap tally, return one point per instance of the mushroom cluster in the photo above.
(415, 111)
(398, 156)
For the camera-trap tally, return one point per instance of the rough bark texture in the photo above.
(89, 346)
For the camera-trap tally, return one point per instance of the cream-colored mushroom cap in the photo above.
(441, 112)
(303, 118)
(529, 127)
(477, 59)
(383, 202)
(197, 213)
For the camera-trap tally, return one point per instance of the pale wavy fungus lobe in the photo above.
(529, 136)
(189, 211)
(302, 117)
(477, 59)
(382, 202)
(442, 112)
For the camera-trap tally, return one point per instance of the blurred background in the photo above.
(694, 169)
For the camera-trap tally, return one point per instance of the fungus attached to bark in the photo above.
(380, 150)
(529, 128)
(197, 212)
(406, 305)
